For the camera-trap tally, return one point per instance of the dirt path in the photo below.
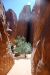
(21, 67)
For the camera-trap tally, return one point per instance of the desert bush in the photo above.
(22, 46)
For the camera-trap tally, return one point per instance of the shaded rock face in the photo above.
(35, 16)
(26, 13)
(21, 29)
(41, 53)
(11, 22)
(29, 32)
(25, 17)
(37, 12)
(24, 29)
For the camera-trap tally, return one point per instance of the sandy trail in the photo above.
(21, 67)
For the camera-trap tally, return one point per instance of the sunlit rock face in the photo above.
(25, 13)
(2, 12)
(11, 22)
(6, 60)
(41, 46)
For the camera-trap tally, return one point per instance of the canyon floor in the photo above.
(21, 67)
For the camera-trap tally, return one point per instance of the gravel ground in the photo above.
(21, 67)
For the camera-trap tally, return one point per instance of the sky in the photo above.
(17, 5)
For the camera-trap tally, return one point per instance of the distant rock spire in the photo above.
(25, 13)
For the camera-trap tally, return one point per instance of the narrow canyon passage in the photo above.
(21, 67)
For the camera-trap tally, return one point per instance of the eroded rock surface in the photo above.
(41, 46)
(6, 60)
(11, 19)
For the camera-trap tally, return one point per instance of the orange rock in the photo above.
(41, 57)
(6, 61)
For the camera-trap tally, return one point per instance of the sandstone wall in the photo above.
(41, 46)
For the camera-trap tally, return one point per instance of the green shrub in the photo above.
(22, 46)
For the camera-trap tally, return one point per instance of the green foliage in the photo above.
(22, 46)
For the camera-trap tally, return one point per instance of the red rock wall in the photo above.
(41, 63)
(21, 29)
(6, 61)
